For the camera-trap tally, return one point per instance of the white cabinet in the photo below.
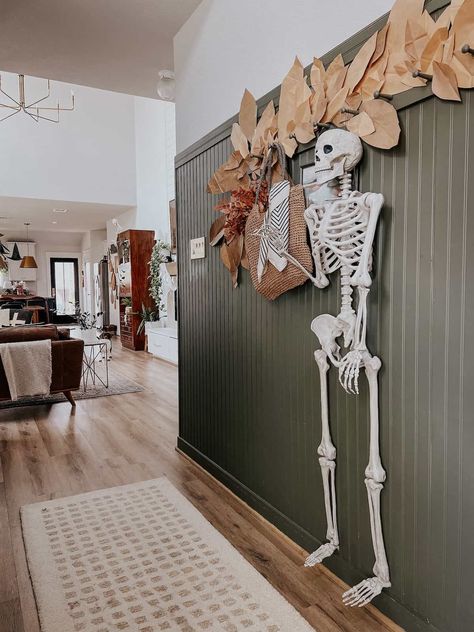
(15, 273)
(163, 343)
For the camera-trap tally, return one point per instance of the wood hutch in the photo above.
(134, 250)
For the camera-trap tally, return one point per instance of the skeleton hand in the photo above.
(274, 237)
(361, 594)
(349, 371)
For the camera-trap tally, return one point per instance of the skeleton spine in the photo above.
(345, 183)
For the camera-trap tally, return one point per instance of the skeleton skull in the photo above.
(337, 152)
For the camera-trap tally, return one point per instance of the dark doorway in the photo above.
(65, 284)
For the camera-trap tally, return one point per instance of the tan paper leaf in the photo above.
(244, 262)
(416, 39)
(318, 107)
(464, 77)
(239, 140)
(334, 67)
(288, 97)
(231, 175)
(448, 15)
(216, 232)
(231, 256)
(385, 120)
(248, 114)
(433, 50)
(335, 105)
(374, 77)
(444, 84)
(380, 44)
(360, 62)
(317, 75)
(463, 31)
(304, 132)
(266, 121)
(353, 101)
(402, 11)
(448, 50)
(362, 124)
(289, 145)
(335, 82)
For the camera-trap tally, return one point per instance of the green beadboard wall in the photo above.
(249, 385)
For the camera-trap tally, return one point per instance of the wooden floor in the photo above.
(53, 451)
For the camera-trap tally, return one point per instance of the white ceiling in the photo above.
(80, 217)
(118, 45)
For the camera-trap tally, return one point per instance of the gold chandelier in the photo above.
(35, 111)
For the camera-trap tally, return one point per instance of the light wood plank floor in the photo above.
(53, 451)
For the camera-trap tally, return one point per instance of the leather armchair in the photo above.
(66, 356)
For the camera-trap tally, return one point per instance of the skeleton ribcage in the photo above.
(337, 233)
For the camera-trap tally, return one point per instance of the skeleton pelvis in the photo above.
(328, 328)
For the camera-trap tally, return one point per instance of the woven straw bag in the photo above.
(274, 283)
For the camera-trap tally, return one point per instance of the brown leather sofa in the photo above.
(66, 355)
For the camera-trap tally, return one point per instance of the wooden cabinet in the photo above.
(134, 249)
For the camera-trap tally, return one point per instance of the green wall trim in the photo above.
(299, 535)
(348, 50)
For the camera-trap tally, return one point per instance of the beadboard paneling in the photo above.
(249, 387)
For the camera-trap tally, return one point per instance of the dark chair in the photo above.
(24, 315)
(40, 302)
(13, 305)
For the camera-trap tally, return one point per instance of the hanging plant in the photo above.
(160, 254)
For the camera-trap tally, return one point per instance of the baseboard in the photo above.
(386, 604)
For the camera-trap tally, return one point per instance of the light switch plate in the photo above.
(198, 248)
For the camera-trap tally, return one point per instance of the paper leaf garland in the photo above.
(248, 115)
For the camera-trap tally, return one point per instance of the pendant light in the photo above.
(28, 260)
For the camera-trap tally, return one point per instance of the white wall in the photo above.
(88, 157)
(227, 46)
(155, 150)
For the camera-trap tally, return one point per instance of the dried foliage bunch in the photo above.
(411, 50)
(229, 228)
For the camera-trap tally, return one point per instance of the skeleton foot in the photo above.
(361, 594)
(325, 550)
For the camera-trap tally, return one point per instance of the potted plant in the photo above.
(126, 301)
(148, 315)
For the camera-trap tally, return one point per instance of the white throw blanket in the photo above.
(28, 367)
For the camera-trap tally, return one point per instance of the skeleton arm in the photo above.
(274, 237)
(374, 203)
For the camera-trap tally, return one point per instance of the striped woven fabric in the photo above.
(278, 217)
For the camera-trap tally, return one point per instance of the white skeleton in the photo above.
(342, 229)
(342, 233)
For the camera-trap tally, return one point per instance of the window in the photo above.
(65, 284)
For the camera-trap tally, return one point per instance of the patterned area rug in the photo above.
(141, 558)
(118, 385)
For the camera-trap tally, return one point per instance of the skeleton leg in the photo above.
(366, 590)
(327, 461)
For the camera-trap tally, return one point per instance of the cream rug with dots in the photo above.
(141, 558)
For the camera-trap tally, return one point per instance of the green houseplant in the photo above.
(160, 254)
(148, 315)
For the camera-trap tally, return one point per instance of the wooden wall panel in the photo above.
(249, 390)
